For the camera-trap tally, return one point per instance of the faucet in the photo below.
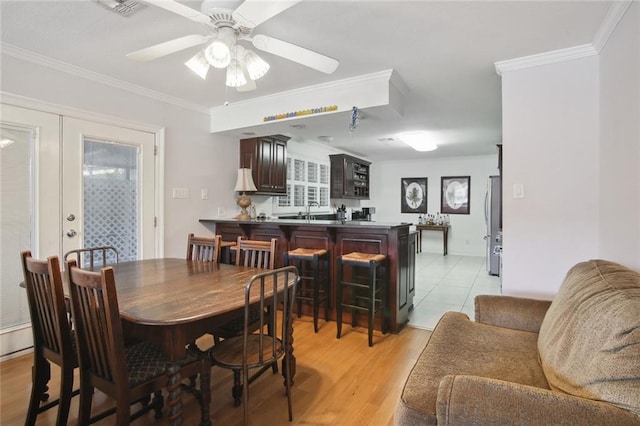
(308, 213)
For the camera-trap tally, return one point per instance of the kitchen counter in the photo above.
(340, 237)
(313, 222)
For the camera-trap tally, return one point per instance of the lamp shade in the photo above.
(235, 74)
(245, 181)
(256, 66)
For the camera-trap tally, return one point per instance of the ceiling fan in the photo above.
(222, 50)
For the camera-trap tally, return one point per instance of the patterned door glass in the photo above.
(111, 198)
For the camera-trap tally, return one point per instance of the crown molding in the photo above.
(38, 59)
(608, 25)
(545, 58)
(615, 14)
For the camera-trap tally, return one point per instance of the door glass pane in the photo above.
(111, 197)
(15, 219)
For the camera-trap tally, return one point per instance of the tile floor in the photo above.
(448, 283)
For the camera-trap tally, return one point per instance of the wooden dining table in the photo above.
(172, 302)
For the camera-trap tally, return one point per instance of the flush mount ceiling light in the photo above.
(221, 49)
(420, 141)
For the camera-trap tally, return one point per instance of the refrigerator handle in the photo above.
(486, 209)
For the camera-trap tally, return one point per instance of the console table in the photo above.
(442, 228)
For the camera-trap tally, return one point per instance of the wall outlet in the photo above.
(221, 212)
(181, 193)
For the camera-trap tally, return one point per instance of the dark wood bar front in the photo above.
(393, 240)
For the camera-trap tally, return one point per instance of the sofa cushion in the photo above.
(589, 340)
(461, 346)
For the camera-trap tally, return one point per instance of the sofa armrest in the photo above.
(483, 401)
(517, 313)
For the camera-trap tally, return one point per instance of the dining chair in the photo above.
(254, 254)
(126, 373)
(203, 248)
(92, 257)
(254, 348)
(53, 339)
(206, 249)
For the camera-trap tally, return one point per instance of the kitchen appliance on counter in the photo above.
(492, 215)
(364, 214)
(368, 212)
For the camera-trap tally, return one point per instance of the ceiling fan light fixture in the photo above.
(420, 141)
(199, 65)
(256, 66)
(235, 75)
(218, 54)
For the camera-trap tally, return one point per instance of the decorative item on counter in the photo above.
(300, 113)
(243, 184)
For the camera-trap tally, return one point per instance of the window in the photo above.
(307, 181)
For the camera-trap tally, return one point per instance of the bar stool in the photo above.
(374, 284)
(313, 267)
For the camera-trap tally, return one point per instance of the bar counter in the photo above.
(340, 237)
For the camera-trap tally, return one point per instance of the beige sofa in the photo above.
(575, 360)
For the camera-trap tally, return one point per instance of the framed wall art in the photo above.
(413, 195)
(456, 195)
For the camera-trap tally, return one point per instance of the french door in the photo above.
(67, 183)
(108, 188)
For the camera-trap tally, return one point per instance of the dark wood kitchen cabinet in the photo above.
(266, 156)
(349, 177)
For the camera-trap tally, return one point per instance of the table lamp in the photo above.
(243, 184)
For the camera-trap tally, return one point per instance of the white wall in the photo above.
(467, 232)
(550, 143)
(619, 180)
(194, 158)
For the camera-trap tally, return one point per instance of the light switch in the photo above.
(518, 190)
(204, 193)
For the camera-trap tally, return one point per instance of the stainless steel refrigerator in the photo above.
(492, 212)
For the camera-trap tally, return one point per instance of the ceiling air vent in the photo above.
(122, 7)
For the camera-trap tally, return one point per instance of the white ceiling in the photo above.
(444, 51)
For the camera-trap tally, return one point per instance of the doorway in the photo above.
(68, 183)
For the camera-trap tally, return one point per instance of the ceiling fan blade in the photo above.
(252, 13)
(295, 53)
(180, 9)
(167, 48)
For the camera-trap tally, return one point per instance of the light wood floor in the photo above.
(338, 382)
